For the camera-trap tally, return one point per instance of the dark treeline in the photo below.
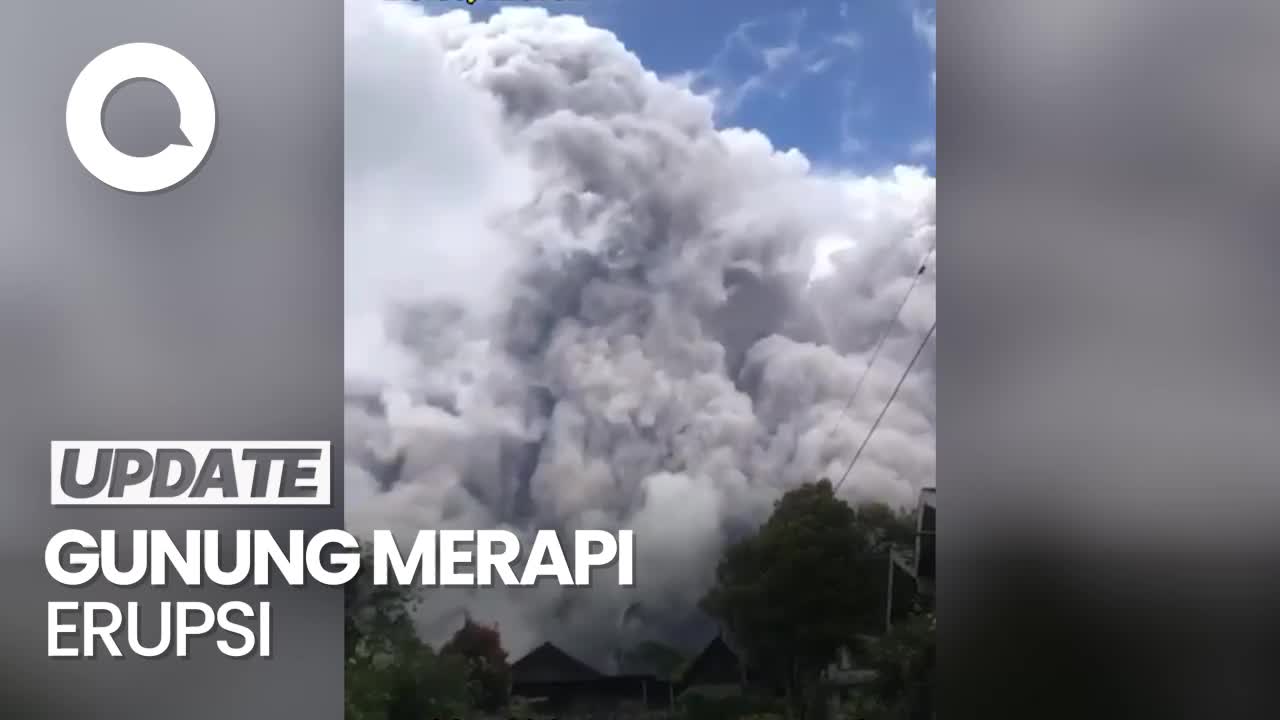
(809, 587)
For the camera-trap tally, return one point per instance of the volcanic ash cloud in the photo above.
(573, 302)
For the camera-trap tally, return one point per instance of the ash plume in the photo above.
(573, 301)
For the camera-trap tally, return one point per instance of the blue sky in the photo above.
(848, 83)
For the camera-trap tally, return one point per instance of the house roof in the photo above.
(721, 645)
(548, 664)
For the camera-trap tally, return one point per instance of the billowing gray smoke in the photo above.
(572, 301)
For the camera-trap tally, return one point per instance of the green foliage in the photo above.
(886, 526)
(390, 673)
(665, 661)
(488, 673)
(527, 710)
(799, 589)
(866, 706)
(886, 530)
(734, 707)
(903, 660)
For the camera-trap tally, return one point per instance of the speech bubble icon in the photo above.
(183, 142)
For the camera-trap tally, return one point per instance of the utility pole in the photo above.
(888, 610)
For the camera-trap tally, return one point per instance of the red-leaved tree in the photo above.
(488, 673)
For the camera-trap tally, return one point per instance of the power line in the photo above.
(884, 410)
(875, 353)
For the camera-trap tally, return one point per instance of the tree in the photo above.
(390, 673)
(488, 674)
(904, 663)
(886, 525)
(887, 530)
(659, 658)
(797, 591)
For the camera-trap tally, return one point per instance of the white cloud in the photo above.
(922, 148)
(924, 22)
(854, 110)
(573, 301)
(768, 56)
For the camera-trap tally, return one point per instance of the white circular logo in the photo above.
(140, 61)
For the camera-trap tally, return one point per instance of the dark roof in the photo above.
(549, 664)
(718, 662)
